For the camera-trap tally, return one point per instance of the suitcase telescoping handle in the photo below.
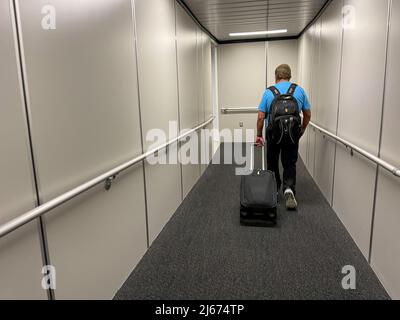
(252, 160)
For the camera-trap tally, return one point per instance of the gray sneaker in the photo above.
(290, 199)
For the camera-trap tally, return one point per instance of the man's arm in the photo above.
(306, 113)
(260, 123)
(260, 127)
(306, 120)
(262, 110)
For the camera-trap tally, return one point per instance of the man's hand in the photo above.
(260, 141)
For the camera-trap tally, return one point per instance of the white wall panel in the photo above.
(214, 93)
(329, 66)
(307, 60)
(386, 249)
(21, 263)
(280, 52)
(302, 75)
(303, 147)
(390, 139)
(97, 239)
(155, 20)
(200, 75)
(191, 171)
(328, 95)
(188, 86)
(363, 74)
(313, 92)
(208, 110)
(20, 254)
(157, 64)
(385, 258)
(206, 147)
(324, 164)
(361, 97)
(241, 82)
(354, 195)
(85, 120)
(208, 107)
(163, 193)
(82, 90)
(312, 141)
(187, 69)
(204, 62)
(307, 67)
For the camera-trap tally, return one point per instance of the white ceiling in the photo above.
(221, 17)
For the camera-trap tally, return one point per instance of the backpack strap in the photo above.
(292, 89)
(275, 91)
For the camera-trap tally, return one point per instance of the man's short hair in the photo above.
(283, 72)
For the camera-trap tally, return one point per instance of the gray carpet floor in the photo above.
(204, 253)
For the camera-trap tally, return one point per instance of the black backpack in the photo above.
(284, 117)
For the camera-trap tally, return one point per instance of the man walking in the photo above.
(281, 106)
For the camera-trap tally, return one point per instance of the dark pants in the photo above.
(289, 153)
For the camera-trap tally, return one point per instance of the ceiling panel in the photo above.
(221, 17)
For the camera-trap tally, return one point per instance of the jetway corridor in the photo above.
(113, 115)
(204, 254)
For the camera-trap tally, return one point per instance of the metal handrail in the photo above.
(385, 165)
(31, 215)
(382, 163)
(239, 110)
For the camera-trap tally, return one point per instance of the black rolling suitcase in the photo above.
(258, 197)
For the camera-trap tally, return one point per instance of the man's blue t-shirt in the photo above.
(283, 88)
